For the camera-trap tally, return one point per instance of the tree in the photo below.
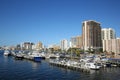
(90, 50)
(101, 50)
(74, 51)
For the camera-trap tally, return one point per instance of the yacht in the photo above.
(36, 56)
(6, 52)
(92, 65)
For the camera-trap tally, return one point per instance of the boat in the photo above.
(6, 52)
(92, 65)
(37, 59)
(36, 56)
(42, 55)
(18, 56)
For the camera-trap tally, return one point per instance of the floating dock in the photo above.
(114, 62)
(76, 67)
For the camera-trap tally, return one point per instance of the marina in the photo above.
(59, 40)
(85, 63)
(29, 70)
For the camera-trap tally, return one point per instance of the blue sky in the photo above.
(50, 21)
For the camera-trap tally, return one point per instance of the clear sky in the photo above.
(50, 21)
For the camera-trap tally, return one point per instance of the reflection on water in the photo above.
(35, 65)
(93, 71)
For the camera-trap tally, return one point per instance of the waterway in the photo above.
(11, 69)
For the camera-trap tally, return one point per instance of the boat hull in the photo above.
(19, 57)
(37, 59)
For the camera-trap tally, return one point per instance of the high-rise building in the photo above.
(112, 45)
(91, 34)
(76, 42)
(108, 33)
(64, 44)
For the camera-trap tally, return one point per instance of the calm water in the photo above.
(11, 69)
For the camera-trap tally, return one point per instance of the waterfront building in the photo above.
(27, 46)
(18, 47)
(39, 46)
(112, 45)
(76, 42)
(13, 48)
(91, 35)
(54, 47)
(108, 33)
(64, 44)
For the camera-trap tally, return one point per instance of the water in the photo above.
(11, 69)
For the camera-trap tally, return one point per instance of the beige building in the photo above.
(108, 33)
(39, 45)
(54, 46)
(112, 45)
(91, 33)
(76, 42)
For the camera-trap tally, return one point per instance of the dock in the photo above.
(114, 62)
(22, 56)
(72, 65)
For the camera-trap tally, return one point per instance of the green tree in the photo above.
(90, 50)
(101, 50)
(75, 51)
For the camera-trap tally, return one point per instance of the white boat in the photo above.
(57, 55)
(36, 56)
(6, 52)
(19, 55)
(92, 65)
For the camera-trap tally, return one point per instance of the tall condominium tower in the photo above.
(91, 33)
(108, 33)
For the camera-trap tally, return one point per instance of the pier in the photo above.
(70, 65)
(114, 62)
(21, 56)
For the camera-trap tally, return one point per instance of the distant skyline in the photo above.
(50, 21)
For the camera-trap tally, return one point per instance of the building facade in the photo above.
(76, 42)
(39, 46)
(91, 35)
(27, 46)
(64, 44)
(54, 47)
(108, 33)
(112, 45)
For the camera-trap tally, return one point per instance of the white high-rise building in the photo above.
(64, 44)
(108, 33)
